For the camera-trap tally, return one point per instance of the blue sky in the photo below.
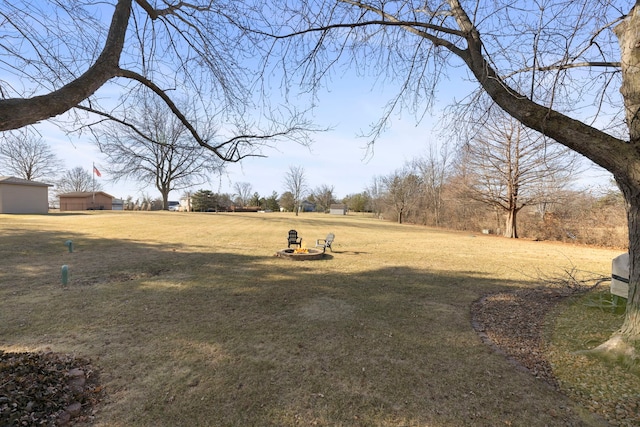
(336, 158)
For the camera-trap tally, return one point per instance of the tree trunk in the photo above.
(631, 326)
(627, 175)
(621, 346)
(165, 199)
(510, 229)
(629, 39)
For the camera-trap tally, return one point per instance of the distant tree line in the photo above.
(439, 190)
(208, 201)
(594, 217)
(502, 180)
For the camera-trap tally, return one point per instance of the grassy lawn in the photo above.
(192, 320)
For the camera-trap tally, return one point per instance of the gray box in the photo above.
(620, 276)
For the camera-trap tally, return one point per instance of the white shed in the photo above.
(20, 196)
(338, 209)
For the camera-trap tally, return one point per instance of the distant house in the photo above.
(82, 201)
(117, 204)
(307, 206)
(338, 209)
(19, 196)
(185, 204)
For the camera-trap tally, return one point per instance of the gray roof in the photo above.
(84, 194)
(19, 181)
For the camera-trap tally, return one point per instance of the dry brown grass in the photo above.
(192, 320)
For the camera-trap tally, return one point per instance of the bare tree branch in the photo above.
(18, 112)
(182, 49)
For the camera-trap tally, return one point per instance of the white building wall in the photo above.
(26, 199)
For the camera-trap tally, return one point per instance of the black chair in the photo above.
(294, 239)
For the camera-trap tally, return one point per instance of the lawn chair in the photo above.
(326, 243)
(294, 239)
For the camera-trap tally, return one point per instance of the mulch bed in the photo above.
(512, 324)
(47, 389)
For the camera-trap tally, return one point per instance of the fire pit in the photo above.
(302, 254)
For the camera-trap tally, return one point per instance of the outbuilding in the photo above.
(338, 209)
(82, 201)
(20, 196)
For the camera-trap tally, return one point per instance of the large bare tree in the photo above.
(295, 182)
(323, 195)
(402, 191)
(77, 179)
(242, 192)
(87, 57)
(558, 67)
(156, 149)
(27, 156)
(434, 171)
(510, 167)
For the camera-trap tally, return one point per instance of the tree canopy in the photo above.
(156, 150)
(27, 156)
(73, 56)
(77, 180)
(510, 166)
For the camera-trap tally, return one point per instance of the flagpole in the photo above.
(93, 187)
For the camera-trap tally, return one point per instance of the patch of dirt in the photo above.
(47, 389)
(326, 309)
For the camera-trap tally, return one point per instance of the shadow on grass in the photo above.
(219, 338)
